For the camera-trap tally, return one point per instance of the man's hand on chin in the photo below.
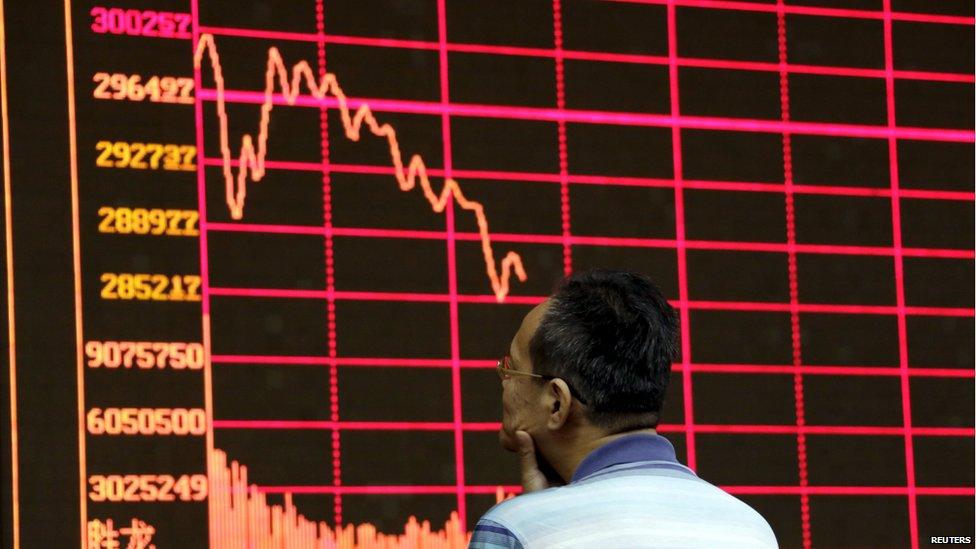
(507, 440)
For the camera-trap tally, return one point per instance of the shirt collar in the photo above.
(626, 449)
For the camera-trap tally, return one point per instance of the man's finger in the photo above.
(526, 450)
(532, 478)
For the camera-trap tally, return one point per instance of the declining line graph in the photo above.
(245, 520)
(251, 160)
(240, 514)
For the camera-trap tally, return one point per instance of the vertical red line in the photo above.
(216, 538)
(899, 279)
(801, 438)
(452, 269)
(329, 271)
(679, 226)
(557, 33)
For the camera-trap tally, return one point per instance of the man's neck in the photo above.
(566, 460)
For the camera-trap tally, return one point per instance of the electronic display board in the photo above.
(262, 257)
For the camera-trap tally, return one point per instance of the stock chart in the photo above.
(262, 257)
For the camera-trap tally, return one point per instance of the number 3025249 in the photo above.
(118, 488)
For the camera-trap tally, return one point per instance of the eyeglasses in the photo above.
(505, 371)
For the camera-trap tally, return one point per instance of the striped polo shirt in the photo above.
(630, 492)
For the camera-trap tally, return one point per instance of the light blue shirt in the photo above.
(631, 492)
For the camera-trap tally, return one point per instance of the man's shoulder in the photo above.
(498, 527)
(722, 512)
(751, 517)
(572, 499)
(515, 522)
(489, 534)
(505, 511)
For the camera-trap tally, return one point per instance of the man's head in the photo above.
(604, 342)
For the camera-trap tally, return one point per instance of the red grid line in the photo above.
(547, 114)
(832, 370)
(215, 526)
(812, 10)
(536, 177)
(308, 360)
(384, 490)
(746, 306)
(451, 268)
(305, 360)
(851, 490)
(564, 205)
(351, 425)
(829, 308)
(715, 245)
(680, 241)
(900, 281)
(329, 273)
(515, 489)
(580, 55)
(795, 338)
(822, 70)
(851, 430)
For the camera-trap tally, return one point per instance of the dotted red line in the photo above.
(801, 439)
(329, 273)
(557, 31)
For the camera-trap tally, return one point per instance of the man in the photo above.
(582, 391)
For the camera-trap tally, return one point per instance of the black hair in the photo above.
(612, 336)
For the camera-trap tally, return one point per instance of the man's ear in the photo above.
(559, 402)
